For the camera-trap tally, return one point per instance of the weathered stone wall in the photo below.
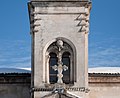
(14, 90)
(14, 85)
(100, 85)
(104, 90)
(104, 86)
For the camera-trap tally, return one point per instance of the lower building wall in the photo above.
(104, 85)
(104, 90)
(100, 85)
(14, 90)
(15, 85)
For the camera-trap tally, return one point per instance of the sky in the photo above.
(104, 35)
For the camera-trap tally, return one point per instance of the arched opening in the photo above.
(68, 53)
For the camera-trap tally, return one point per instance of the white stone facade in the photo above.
(65, 20)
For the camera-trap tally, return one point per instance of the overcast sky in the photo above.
(104, 35)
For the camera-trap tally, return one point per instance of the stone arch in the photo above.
(46, 59)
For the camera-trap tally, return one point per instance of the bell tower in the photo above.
(59, 30)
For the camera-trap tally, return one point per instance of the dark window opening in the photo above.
(52, 73)
(66, 61)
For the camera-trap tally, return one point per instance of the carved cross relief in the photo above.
(60, 68)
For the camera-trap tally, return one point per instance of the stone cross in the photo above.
(60, 68)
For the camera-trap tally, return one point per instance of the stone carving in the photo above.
(60, 68)
(83, 19)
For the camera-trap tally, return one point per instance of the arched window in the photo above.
(67, 57)
(52, 74)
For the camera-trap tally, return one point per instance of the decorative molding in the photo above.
(41, 89)
(81, 89)
(62, 3)
(83, 22)
(34, 20)
(104, 74)
(34, 23)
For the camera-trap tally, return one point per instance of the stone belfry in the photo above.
(59, 30)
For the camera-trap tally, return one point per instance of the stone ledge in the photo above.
(59, 4)
(104, 79)
(81, 89)
(104, 74)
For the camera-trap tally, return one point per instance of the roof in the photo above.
(96, 70)
(14, 70)
(111, 70)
